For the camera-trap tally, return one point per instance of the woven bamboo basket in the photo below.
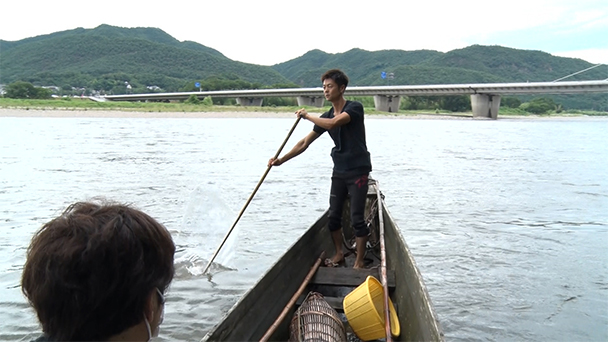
(316, 321)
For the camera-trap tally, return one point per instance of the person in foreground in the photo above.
(352, 162)
(98, 272)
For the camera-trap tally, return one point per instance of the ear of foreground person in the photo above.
(98, 272)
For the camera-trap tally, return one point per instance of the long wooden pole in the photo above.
(251, 196)
(293, 299)
(387, 321)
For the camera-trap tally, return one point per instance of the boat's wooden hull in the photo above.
(250, 317)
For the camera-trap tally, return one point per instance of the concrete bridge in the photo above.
(485, 97)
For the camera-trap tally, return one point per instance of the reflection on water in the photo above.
(507, 219)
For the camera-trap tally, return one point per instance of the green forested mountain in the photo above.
(106, 57)
(152, 34)
(514, 65)
(360, 65)
(474, 64)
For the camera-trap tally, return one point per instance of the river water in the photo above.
(507, 219)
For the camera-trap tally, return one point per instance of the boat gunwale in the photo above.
(428, 326)
(319, 224)
(418, 275)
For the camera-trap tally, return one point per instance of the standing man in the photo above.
(352, 163)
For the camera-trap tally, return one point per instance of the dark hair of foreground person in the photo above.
(98, 272)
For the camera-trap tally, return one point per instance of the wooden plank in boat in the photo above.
(346, 276)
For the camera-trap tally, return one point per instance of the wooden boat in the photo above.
(252, 316)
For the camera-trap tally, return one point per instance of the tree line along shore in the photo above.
(188, 106)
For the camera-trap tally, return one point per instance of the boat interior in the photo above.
(267, 311)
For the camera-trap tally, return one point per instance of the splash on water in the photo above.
(207, 219)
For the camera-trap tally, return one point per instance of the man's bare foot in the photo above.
(335, 261)
(338, 257)
(361, 245)
(359, 265)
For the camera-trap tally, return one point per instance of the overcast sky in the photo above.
(267, 32)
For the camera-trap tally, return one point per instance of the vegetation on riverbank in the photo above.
(84, 104)
(32, 96)
(87, 104)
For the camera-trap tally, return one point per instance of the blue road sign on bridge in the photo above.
(383, 74)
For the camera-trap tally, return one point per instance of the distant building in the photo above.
(154, 88)
(54, 89)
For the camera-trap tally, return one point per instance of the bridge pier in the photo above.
(485, 105)
(249, 101)
(316, 101)
(387, 103)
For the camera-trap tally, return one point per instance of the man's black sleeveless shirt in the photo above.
(350, 153)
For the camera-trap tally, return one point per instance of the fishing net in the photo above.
(316, 321)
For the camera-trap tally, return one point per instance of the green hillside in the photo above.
(360, 65)
(474, 64)
(515, 65)
(104, 58)
(108, 56)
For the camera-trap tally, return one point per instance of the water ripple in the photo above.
(506, 220)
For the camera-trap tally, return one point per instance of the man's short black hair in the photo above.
(337, 75)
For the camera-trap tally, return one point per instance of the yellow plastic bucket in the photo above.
(364, 310)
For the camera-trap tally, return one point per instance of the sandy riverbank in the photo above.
(92, 113)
